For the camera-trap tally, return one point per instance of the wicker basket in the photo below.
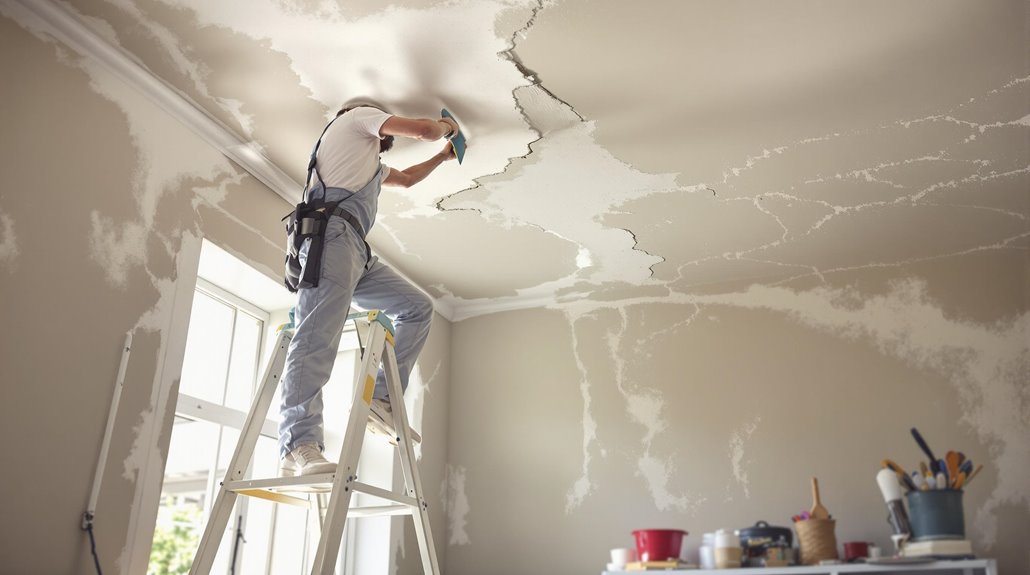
(817, 540)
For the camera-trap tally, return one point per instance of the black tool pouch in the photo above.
(306, 225)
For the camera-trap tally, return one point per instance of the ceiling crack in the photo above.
(534, 80)
(637, 243)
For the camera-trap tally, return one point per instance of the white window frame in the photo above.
(197, 409)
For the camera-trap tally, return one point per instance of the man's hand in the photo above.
(448, 152)
(454, 125)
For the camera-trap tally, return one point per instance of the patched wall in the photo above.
(704, 412)
(104, 199)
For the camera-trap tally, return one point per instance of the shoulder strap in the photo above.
(314, 154)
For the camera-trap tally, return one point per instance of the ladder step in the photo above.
(274, 489)
(320, 483)
(379, 511)
(370, 511)
(275, 497)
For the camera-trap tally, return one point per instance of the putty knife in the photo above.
(458, 141)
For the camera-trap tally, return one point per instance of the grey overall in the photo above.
(349, 271)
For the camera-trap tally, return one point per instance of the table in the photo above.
(961, 567)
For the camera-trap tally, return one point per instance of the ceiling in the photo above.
(621, 149)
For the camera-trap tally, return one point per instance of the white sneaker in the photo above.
(381, 421)
(305, 459)
(382, 418)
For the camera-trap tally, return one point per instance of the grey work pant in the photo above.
(320, 317)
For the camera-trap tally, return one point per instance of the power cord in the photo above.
(87, 526)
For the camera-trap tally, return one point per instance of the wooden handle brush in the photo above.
(818, 511)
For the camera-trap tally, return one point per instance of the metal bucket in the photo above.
(936, 514)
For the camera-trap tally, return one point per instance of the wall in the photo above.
(576, 424)
(104, 199)
(427, 399)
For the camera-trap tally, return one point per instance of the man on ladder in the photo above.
(348, 173)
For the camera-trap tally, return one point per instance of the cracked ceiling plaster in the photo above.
(624, 152)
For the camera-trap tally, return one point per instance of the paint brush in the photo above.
(973, 474)
(926, 449)
(902, 475)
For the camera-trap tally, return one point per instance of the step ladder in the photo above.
(328, 495)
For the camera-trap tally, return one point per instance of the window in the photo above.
(227, 348)
(219, 376)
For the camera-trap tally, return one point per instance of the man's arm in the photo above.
(418, 172)
(419, 129)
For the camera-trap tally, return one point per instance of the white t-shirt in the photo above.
(349, 154)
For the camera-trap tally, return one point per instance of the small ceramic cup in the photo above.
(623, 555)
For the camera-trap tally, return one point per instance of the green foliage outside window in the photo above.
(173, 548)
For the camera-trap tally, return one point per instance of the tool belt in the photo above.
(307, 224)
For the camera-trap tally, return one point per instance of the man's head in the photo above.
(385, 143)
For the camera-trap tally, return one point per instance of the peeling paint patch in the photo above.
(737, 441)
(145, 458)
(415, 400)
(117, 247)
(986, 363)
(644, 407)
(656, 474)
(582, 487)
(457, 504)
(543, 194)
(8, 241)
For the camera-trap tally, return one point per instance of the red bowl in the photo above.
(659, 544)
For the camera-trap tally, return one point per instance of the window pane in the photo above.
(243, 369)
(288, 549)
(260, 513)
(180, 520)
(207, 349)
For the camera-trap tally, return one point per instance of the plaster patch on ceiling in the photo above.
(568, 188)
(907, 176)
(737, 440)
(815, 194)
(8, 241)
(178, 54)
(985, 363)
(457, 504)
(399, 57)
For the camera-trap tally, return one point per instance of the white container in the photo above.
(706, 557)
(623, 555)
(726, 538)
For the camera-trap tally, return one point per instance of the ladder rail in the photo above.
(329, 509)
(409, 467)
(350, 453)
